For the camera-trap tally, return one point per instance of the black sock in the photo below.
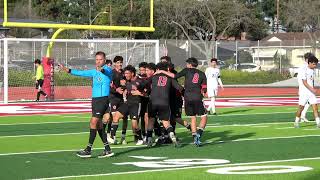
(38, 96)
(200, 131)
(169, 129)
(124, 132)
(194, 135)
(188, 126)
(109, 127)
(104, 126)
(92, 137)
(143, 129)
(114, 128)
(138, 134)
(103, 137)
(149, 133)
(156, 129)
(44, 94)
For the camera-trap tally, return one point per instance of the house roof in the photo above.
(291, 36)
(290, 39)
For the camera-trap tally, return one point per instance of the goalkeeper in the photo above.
(101, 79)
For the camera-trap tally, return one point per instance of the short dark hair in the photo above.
(307, 55)
(37, 61)
(167, 58)
(130, 68)
(108, 61)
(214, 59)
(152, 66)
(117, 58)
(101, 53)
(163, 66)
(143, 65)
(193, 61)
(312, 59)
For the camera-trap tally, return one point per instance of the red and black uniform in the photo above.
(194, 82)
(116, 99)
(161, 86)
(133, 105)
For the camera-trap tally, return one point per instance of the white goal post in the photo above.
(17, 68)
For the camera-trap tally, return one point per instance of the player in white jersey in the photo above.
(213, 81)
(307, 93)
(306, 107)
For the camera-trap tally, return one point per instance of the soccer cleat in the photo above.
(197, 141)
(84, 154)
(215, 114)
(139, 142)
(303, 119)
(296, 125)
(106, 154)
(174, 140)
(123, 141)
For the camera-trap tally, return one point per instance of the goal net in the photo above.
(17, 65)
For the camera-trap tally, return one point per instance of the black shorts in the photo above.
(115, 103)
(176, 110)
(144, 105)
(162, 112)
(194, 108)
(39, 84)
(100, 106)
(131, 110)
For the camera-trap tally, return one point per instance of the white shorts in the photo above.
(212, 92)
(305, 98)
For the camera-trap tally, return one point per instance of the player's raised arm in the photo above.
(181, 73)
(176, 85)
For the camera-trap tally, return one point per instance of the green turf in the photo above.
(240, 135)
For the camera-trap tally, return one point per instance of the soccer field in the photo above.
(240, 143)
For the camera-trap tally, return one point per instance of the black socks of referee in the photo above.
(92, 137)
(103, 137)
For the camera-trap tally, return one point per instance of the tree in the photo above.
(303, 15)
(206, 20)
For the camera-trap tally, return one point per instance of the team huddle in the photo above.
(152, 99)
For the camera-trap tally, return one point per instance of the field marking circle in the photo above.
(190, 162)
(246, 169)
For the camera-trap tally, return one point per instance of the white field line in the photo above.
(57, 122)
(174, 169)
(61, 115)
(314, 129)
(123, 147)
(285, 128)
(215, 126)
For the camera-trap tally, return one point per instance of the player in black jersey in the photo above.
(161, 86)
(133, 91)
(176, 101)
(116, 99)
(144, 100)
(195, 87)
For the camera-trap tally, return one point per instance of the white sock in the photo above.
(297, 120)
(305, 110)
(213, 104)
(317, 120)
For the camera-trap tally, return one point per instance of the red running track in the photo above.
(84, 92)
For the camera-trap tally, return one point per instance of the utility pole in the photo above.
(110, 19)
(278, 12)
(131, 9)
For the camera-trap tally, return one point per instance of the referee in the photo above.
(101, 79)
(39, 79)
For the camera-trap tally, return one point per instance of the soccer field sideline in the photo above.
(233, 135)
(69, 107)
